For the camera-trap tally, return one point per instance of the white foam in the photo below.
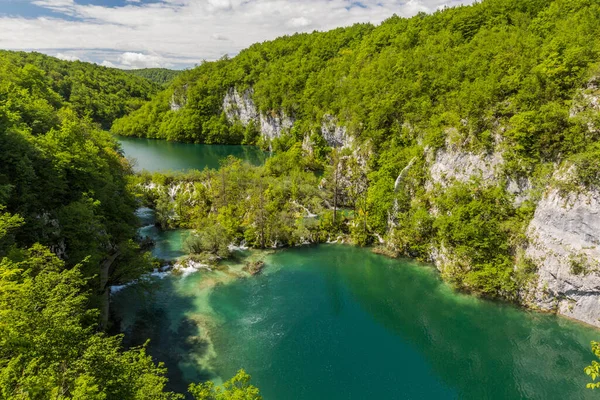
(190, 267)
(157, 273)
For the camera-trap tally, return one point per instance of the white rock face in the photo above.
(241, 107)
(564, 240)
(461, 166)
(334, 135)
(175, 106)
(455, 165)
(179, 98)
(272, 126)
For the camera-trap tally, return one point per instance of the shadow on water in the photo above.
(155, 310)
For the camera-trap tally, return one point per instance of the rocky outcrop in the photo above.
(334, 134)
(454, 165)
(241, 107)
(179, 98)
(274, 124)
(564, 242)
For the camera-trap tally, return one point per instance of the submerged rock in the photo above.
(254, 267)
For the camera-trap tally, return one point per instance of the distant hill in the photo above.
(98, 92)
(162, 76)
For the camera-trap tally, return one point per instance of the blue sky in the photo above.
(178, 33)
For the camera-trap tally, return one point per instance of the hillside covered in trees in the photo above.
(67, 232)
(446, 129)
(456, 138)
(100, 93)
(162, 76)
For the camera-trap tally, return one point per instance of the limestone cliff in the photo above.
(564, 243)
(563, 236)
(240, 107)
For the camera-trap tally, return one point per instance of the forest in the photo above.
(507, 76)
(499, 77)
(162, 76)
(67, 232)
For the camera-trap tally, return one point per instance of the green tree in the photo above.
(593, 370)
(237, 388)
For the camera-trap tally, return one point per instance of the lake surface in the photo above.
(161, 155)
(338, 322)
(168, 245)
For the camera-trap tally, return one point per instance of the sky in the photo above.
(178, 34)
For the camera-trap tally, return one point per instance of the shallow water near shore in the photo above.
(339, 322)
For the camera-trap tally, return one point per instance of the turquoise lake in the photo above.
(161, 155)
(339, 322)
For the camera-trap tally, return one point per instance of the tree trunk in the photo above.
(105, 289)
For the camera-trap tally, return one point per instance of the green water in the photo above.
(337, 322)
(161, 155)
(168, 245)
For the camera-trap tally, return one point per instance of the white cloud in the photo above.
(299, 22)
(180, 33)
(67, 57)
(139, 60)
(107, 63)
(218, 36)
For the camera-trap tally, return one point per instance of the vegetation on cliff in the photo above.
(503, 77)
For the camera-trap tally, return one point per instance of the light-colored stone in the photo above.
(450, 165)
(179, 98)
(273, 125)
(564, 232)
(241, 107)
(334, 134)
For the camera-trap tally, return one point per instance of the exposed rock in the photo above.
(308, 146)
(179, 98)
(451, 165)
(564, 238)
(241, 107)
(274, 124)
(461, 166)
(520, 188)
(352, 177)
(334, 134)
